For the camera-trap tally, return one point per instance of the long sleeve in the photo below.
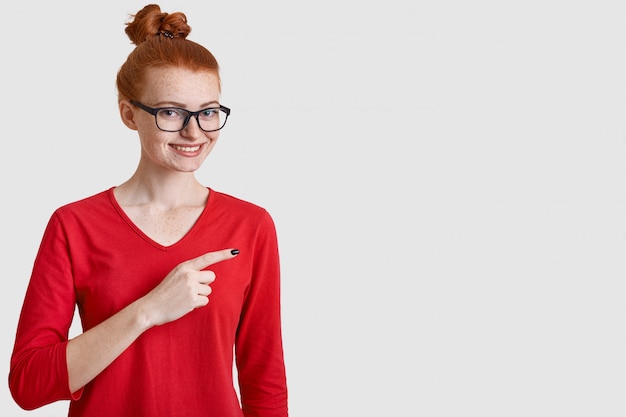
(38, 371)
(259, 350)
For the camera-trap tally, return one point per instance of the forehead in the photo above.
(180, 85)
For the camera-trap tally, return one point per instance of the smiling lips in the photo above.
(187, 149)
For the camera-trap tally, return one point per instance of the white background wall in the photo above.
(447, 179)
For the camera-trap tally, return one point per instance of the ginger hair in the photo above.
(161, 41)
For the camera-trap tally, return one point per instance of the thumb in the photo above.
(211, 258)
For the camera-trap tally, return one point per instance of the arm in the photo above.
(37, 373)
(91, 352)
(259, 351)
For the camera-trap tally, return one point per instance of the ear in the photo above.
(127, 113)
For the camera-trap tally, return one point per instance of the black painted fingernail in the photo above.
(234, 252)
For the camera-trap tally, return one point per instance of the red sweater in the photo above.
(93, 256)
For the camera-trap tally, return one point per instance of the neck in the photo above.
(164, 191)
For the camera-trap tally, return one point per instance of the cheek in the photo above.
(152, 141)
(213, 136)
(143, 120)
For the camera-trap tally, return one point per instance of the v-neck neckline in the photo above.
(145, 236)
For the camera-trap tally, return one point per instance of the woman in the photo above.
(142, 259)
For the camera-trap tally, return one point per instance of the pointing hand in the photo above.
(184, 289)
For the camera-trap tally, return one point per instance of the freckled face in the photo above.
(183, 151)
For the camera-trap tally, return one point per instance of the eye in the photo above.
(208, 113)
(172, 113)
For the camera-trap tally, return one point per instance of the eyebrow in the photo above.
(212, 103)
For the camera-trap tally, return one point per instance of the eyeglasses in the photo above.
(174, 119)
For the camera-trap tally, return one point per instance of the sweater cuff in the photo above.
(64, 377)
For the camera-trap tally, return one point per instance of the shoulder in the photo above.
(226, 206)
(90, 205)
(234, 203)
(72, 217)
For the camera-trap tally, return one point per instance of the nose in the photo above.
(192, 129)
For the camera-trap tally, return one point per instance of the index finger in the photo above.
(211, 258)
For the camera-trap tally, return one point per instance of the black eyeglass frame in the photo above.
(154, 110)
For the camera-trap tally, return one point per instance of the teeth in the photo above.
(186, 148)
